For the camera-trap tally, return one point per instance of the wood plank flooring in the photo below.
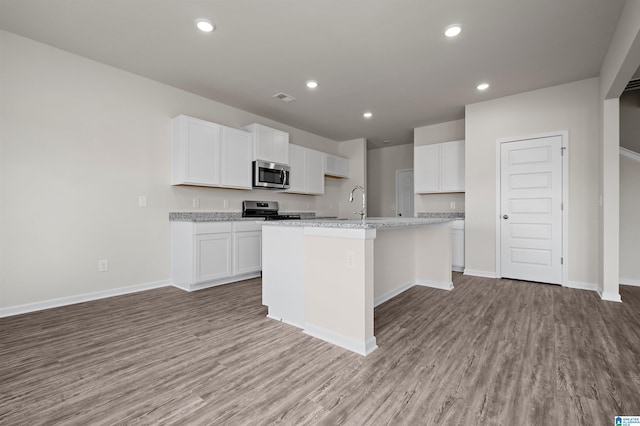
(490, 352)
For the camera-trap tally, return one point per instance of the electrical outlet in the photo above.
(196, 203)
(225, 204)
(453, 205)
(142, 201)
(103, 265)
(351, 260)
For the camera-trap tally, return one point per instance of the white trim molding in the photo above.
(391, 294)
(629, 154)
(629, 281)
(441, 285)
(610, 296)
(479, 273)
(580, 285)
(363, 348)
(81, 298)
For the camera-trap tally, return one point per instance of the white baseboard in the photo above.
(610, 296)
(457, 268)
(391, 294)
(360, 347)
(215, 283)
(72, 300)
(478, 273)
(277, 318)
(629, 281)
(580, 285)
(442, 285)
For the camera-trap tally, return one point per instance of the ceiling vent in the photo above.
(284, 97)
(633, 85)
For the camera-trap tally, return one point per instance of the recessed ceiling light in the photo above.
(205, 25)
(483, 86)
(452, 30)
(312, 84)
(386, 142)
(367, 115)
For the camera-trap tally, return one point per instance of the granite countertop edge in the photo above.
(229, 216)
(376, 223)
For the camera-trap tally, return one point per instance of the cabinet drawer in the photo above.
(212, 227)
(247, 226)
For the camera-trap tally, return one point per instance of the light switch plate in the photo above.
(103, 265)
(142, 201)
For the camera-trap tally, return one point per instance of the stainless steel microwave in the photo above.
(268, 175)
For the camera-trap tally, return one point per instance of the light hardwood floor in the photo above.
(490, 352)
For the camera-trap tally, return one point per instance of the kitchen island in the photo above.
(326, 276)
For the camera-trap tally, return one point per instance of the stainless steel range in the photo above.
(265, 209)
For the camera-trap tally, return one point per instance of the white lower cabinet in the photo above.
(247, 241)
(213, 257)
(457, 245)
(206, 254)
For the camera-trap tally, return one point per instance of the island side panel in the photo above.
(433, 255)
(283, 286)
(339, 278)
(394, 267)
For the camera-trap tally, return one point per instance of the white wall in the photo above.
(629, 184)
(630, 120)
(382, 164)
(629, 220)
(574, 107)
(438, 133)
(80, 141)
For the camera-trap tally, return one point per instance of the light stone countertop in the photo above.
(371, 223)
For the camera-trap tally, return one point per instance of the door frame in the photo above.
(564, 145)
(398, 171)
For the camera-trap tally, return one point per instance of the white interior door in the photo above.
(531, 209)
(404, 193)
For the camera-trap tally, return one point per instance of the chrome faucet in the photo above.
(363, 212)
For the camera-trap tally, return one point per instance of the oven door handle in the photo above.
(283, 176)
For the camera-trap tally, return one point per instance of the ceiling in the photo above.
(389, 57)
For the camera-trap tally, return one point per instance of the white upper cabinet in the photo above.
(336, 166)
(235, 154)
(439, 167)
(426, 168)
(452, 165)
(208, 154)
(196, 147)
(315, 172)
(307, 170)
(269, 144)
(298, 174)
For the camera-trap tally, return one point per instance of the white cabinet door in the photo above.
(235, 158)
(336, 166)
(248, 252)
(269, 144)
(196, 147)
(213, 256)
(307, 170)
(315, 172)
(280, 147)
(452, 166)
(297, 163)
(426, 168)
(439, 167)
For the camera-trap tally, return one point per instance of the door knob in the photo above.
(506, 216)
